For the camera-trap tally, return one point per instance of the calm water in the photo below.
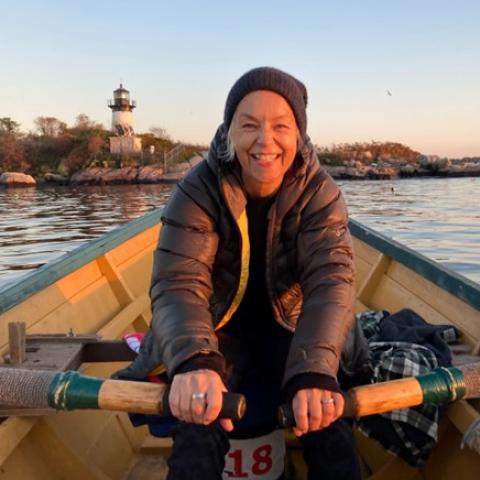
(438, 217)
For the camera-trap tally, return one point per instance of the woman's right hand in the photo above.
(196, 397)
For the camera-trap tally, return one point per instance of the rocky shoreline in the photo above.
(424, 166)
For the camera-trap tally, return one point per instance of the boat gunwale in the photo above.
(458, 285)
(454, 283)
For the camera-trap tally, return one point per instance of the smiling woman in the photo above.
(252, 291)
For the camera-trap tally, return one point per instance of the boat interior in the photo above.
(102, 289)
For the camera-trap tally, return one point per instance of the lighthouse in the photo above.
(124, 142)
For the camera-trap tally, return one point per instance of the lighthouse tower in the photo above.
(124, 141)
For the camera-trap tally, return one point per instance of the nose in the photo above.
(265, 135)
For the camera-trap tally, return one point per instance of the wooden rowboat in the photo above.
(102, 288)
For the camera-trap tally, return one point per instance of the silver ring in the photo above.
(199, 396)
(327, 401)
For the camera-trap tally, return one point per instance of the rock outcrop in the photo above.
(55, 178)
(16, 179)
(150, 174)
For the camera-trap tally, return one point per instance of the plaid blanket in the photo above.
(410, 433)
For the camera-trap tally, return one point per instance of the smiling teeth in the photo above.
(265, 157)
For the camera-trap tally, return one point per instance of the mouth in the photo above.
(265, 159)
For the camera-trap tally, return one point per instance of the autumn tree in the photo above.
(83, 123)
(12, 154)
(160, 133)
(50, 126)
(9, 126)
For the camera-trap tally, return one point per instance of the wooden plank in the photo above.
(115, 280)
(6, 411)
(392, 296)
(397, 469)
(374, 455)
(364, 251)
(53, 355)
(51, 297)
(77, 281)
(448, 461)
(384, 465)
(135, 435)
(78, 428)
(142, 244)
(125, 317)
(154, 445)
(12, 432)
(137, 275)
(27, 463)
(117, 283)
(370, 283)
(148, 467)
(86, 312)
(111, 451)
(51, 311)
(455, 310)
(62, 460)
(462, 415)
(362, 269)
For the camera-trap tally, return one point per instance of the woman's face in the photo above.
(264, 134)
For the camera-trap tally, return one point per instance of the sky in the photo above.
(180, 58)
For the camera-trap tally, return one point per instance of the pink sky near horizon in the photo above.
(180, 59)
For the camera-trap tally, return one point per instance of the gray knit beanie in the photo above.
(269, 78)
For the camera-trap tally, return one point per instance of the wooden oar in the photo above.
(439, 386)
(73, 391)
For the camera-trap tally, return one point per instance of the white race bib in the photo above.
(256, 458)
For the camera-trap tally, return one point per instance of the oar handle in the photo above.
(437, 387)
(153, 398)
(234, 405)
(368, 400)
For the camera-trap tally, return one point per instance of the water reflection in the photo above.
(438, 217)
(39, 225)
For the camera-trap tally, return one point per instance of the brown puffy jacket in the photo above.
(201, 264)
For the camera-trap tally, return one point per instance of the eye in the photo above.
(248, 126)
(282, 126)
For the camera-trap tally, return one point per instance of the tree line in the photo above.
(53, 146)
(366, 152)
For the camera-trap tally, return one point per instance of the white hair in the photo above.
(230, 144)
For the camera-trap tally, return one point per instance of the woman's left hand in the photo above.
(315, 409)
